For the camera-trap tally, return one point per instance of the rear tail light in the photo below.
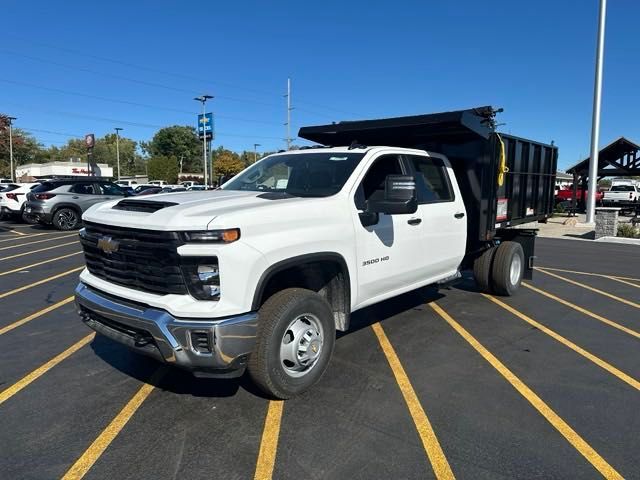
(12, 196)
(44, 196)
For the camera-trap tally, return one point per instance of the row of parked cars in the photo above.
(61, 202)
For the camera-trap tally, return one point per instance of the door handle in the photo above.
(459, 215)
(414, 221)
(75, 198)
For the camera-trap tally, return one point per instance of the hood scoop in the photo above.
(141, 205)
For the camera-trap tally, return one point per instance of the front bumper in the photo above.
(208, 348)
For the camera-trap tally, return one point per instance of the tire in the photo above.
(508, 268)
(287, 321)
(482, 270)
(66, 219)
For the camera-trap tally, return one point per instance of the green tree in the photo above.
(163, 167)
(180, 142)
(26, 148)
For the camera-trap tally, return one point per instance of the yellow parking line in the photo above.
(269, 442)
(430, 442)
(17, 232)
(39, 313)
(616, 279)
(39, 282)
(38, 241)
(80, 468)
(567, 343)
(591, 274)
(38, 250)
(583, 310)
(19, 269)
(38, 372)
(601, 292)
(13, 239)
(545, 410)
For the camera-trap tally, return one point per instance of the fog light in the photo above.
(207, 273)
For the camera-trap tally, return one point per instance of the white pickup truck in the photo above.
(622, 195)
(260, 274)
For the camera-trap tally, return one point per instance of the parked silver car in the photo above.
(61, 202)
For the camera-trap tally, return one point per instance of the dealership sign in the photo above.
(205, 126)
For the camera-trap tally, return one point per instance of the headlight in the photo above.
(213, 236)
(202, 277)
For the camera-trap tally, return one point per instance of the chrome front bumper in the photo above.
(177, 341)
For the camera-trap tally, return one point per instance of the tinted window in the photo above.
(8, 187)
(372, 186)
(314, 174)
(623, 188)
(46, 187)
(110, 189)
(83, 189)
(432, 180)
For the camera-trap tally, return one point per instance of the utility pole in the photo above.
(255, 152)
(11, 119)
(118, 129)
(288, 124)
(595, 124)
(203, 99)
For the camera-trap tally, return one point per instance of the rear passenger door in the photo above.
(443, 226)
(84, 194)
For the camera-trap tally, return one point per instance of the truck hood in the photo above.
(182, 211)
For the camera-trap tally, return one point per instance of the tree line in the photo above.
(172, 151)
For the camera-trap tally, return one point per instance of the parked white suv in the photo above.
(12, 201)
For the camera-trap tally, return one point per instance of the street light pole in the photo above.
(118, 129)
(11, 119)
(203, 99)
(255, 152)
(595, 123)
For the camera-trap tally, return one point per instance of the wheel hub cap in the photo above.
(301, 345)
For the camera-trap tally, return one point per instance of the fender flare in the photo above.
(299, 260)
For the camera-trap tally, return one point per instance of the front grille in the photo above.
(144, 260)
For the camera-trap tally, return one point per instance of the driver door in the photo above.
(388, 251)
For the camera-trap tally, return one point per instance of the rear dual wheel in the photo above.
(500, 269)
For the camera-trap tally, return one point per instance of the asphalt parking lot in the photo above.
(432, 384)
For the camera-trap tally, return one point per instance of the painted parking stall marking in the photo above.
(590, 288)
(40, 282)
(567, 343)
(588, 452)
(39, 250)
(430, 442)
(37, 264)
(35, 315)
(589, 313)
(269, 443)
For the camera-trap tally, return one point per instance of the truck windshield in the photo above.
(317, 174)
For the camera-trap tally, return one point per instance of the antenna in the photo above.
(289, 108)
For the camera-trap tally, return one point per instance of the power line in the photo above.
(142, 67)
(168, 87)
(127, 102)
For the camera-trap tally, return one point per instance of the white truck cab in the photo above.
(260, 274)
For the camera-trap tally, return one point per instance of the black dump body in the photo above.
(469, 140)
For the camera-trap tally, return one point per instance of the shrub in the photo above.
(628, 231)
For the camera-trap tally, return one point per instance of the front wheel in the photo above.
(66, 219)
(296, 335)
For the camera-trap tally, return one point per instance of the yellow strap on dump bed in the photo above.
(502, 166)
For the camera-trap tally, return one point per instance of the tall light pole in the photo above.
(118, 129)
(289, 108)
(595, 123)
(255, 152)
(203, 99)
(11, 119)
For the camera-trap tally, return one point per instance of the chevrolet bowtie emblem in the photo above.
(108, 244)
(314, 347)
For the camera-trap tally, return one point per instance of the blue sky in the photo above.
(346, 59)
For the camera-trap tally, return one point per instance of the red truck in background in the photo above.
(566, 195)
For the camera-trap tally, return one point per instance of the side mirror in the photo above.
(399, 196)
